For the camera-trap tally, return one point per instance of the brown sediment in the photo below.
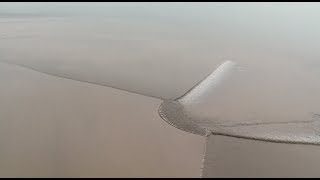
(56, 127)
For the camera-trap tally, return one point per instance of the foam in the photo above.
(235, 101)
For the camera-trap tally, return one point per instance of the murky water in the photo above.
(159, 50)
(54, 127)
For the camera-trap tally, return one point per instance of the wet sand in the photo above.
(54, 127)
